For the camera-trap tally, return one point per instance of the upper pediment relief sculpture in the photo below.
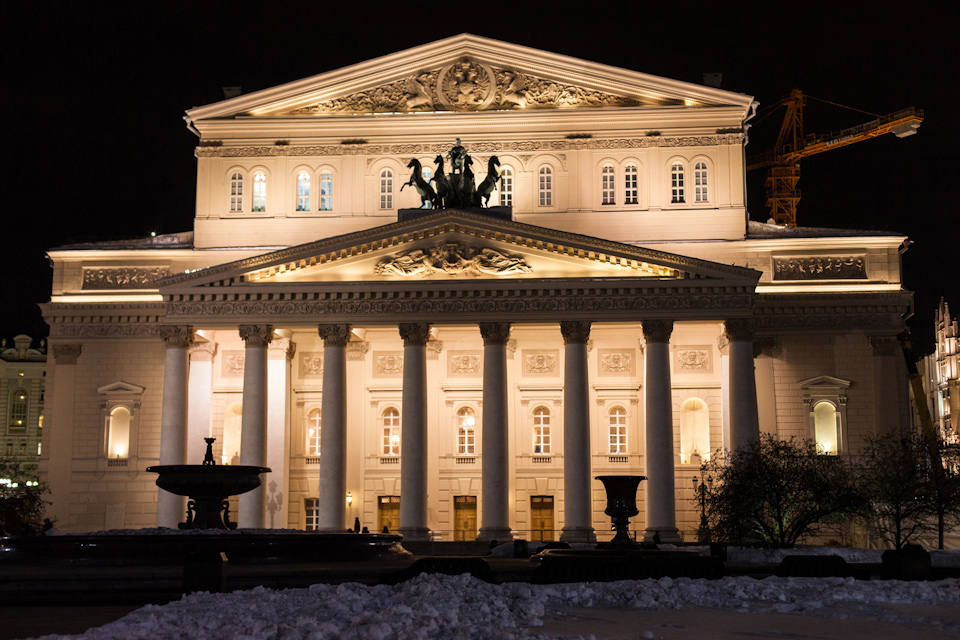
(468, 85)
(452, 258)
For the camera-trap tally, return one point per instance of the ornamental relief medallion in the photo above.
(232, 364)
(540, 363)
(387, 364)
(311, 364)
(617, 362)
(454, 259)
(693, 359)
(464, 363)
(123, 277)
(820, 268)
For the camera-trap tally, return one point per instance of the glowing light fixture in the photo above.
(349, 498)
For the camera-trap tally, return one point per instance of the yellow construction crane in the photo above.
(783, 162)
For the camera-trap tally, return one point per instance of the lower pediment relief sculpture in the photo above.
(820, 268)
(454, 259)
(123, 277)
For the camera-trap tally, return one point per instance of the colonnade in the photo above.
(494, 512)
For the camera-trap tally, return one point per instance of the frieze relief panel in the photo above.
(693, 359)
(123, 277)
(464, 363)
(311, 364)
(819, 267)
(540, 362)
(617, 362)
(387, 364)
(232, 364)
(452, 258)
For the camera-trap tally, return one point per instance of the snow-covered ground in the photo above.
(439, 606)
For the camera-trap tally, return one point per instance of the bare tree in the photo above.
(21, 500)
(772, 491)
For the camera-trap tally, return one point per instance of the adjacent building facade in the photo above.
(463, 372)
(22, 386)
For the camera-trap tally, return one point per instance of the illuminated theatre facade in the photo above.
(463, 372)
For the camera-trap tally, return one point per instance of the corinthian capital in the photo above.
(334, 335)
(66, 353)
(414, 334)
(176, 336)
(657, 330)
(575, 332)
(256, 335)
(495, 332)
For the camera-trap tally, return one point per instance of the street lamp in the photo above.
(701, 487)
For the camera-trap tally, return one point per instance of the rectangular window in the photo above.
(700, 182)
(311, 509)
(608, 188)
(506, 187)
(676, 183)
(630, 185)
(386, 189)
(618, 432)
(546, 187)
(303, 191)
(259, 193)
(326, 191)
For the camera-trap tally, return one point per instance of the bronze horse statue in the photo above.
(468, 186)
(486, 188)
(427, 194)
(443, 184)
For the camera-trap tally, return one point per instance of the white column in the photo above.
(200, 402)
(494, 505)
(413, 433)
(279, 354)
(577, 507)
(171, 509)
(60, 408)
(658, 423)
(253, 424)
(333, 429)
(744, 419)
(724, 346)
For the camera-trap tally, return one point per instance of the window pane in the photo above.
(700, 182)
(630, 184)
(607, 188)
(506, 187)
(303, 191)
(326, 191)
(118, 435)
(259, 192)
(676, 183)
(386, 189)
(313, 433)
(546, 187)
(825, 428)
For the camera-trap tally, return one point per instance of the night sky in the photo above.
(93, 95)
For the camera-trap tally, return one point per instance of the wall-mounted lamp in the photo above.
(349, 498)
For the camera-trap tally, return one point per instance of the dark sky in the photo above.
(93, 95)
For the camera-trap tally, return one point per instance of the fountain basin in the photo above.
(208, 486)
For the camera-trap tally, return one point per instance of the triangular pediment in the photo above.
(824, 383)
(460, 247)
(468, 73)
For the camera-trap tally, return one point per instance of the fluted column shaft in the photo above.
(577, 508)
(744, 417)
(494, 508)
(658, 456)
(173, 418)
(332, 515)
(413, 433)
(253, 424)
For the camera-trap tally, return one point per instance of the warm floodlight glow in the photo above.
(349, 498)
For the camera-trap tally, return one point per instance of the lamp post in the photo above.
(701, 487)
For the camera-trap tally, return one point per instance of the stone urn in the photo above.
(621, 506)
(208, 486)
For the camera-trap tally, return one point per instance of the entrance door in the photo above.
(541, 517)
(388, 513)
(464, 517)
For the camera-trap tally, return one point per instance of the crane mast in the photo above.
(783, 162)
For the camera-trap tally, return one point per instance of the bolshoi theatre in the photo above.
(442, 290)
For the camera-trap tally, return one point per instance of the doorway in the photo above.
(465, 517)
(541, 518)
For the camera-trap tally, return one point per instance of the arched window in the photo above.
(18, 409)
(427, 175)
(391, 432)
(118, 432)
(386, 189)
(546, 186)
(259, 192)
(630, 184)
(466, 432)
(694, 430)
(676, 183)
(826, 421)
(505, 186)
(700, 182)
(617, 419)
(232, 419)
(326, 191)
(541, 431)
(236, 192)
(608, 187)
(303, 191)
(313, 432)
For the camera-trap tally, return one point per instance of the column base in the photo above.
(416, 534)
(500, 534)
(667, 536)
(578, 534)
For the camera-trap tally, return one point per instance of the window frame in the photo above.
(505, 186)
(694, 437)
(111, 396)
(677, 173)
(312, 442)
(631, 194)
(258, 202)
(303, 196)
(701, 192)
(385, 191)
(829, 389)
(617, 441)
(466, 433)
(18, 408)
(608, 185)
(541, 431)
(390, 432)
(235, 192)
(326, 180)
(545, 186)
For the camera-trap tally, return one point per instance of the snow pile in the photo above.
(439, 606)
(775, 556)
